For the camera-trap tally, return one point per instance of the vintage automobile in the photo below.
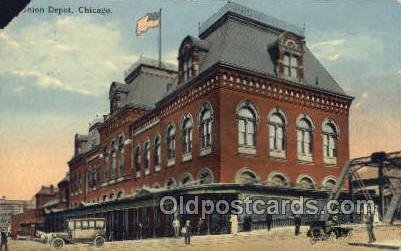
(322, 230)
(81, 230)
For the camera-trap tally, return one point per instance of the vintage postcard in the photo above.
(200, 125)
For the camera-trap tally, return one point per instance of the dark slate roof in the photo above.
(252, 14)
(150, 83)
(245, 46)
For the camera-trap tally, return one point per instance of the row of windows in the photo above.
(205, 122)
(277, 124)
(275, 178)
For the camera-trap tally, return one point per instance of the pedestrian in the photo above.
(199, 226)
(176, 227)
(234, 224)
(269, 221)
(3, 241)
(186, 231)
(369, 225)
(297, 223)
(140, 231)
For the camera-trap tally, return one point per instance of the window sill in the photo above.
(330, 161)
(277, 154)
(250, 150)
(157, 168)
(170, 162)
(147, 172)
(305, 158)
(120, 179)
(187, 157)
(205, 151)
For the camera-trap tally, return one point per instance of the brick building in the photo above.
(48, 199)
(250, 109)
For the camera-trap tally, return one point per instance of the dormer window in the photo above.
(288, 53)
(190, 53)
(291, 65)
(187, 69)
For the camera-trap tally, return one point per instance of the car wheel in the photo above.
(99, 241)
(58, 243)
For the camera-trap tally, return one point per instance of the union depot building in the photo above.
(250, 111)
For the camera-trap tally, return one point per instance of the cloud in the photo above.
(19, 88)
(72, 53)
(361, 100)
(351, 46)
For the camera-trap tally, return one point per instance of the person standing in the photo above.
(186, 231)
(140, 231)
(269, 221)
(199, 226)
(4, 241)
(234, 224)
(297, 223)
(176, 227)
(369, 225)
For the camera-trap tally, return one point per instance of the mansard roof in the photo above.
(240, 37)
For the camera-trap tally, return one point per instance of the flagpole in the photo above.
(160, 37)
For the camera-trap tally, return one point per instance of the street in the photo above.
(277, 239)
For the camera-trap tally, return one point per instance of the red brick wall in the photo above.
(224, 94)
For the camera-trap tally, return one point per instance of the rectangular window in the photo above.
(291, 65)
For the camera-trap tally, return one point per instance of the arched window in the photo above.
(206, 126)
(187, 134)
(329, 141)
(120, 195)
(304, 138)
(157, 152)
(170, 183)
(137, 160)
(105, 163)
(186, 179)
(305, 182)
(246, 126)
(121, 159)
(246, 176)
(278, 179)
(146, 157)
(205, 176)
(277, 133)
(113, 160)
(170, 142)
(329, 182)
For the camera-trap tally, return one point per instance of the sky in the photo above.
(55, 71)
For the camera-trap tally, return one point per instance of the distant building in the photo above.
(8, 208)
(249, 111)
(47, 199)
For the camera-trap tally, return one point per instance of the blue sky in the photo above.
(55, 70)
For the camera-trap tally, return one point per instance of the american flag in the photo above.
(150, 20)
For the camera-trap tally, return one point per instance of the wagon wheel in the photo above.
(316, 234)
(58, 243)
(99, 241)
